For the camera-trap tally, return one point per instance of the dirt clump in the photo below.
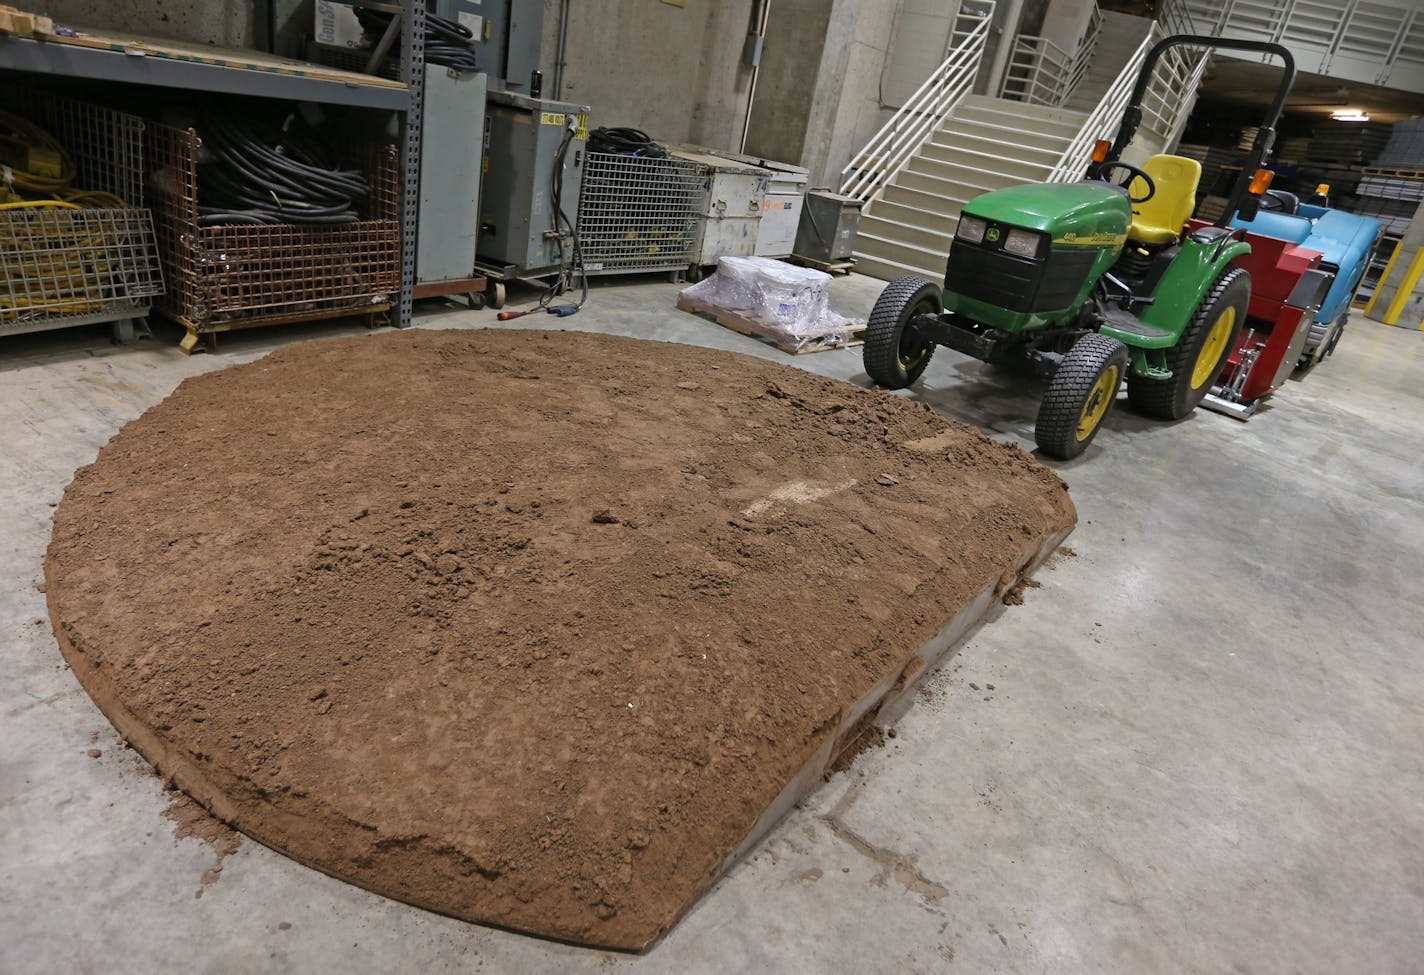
(536, 652)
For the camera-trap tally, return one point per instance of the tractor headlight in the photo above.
(971, 229)
(1024, 243)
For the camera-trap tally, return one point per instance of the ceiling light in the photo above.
(1349, 115)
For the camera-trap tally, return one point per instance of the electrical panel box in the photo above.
(829, 225)
(509, 37)
(522, 139)
(450, 174)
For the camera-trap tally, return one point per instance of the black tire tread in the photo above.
(1056, 431)
(881, 352)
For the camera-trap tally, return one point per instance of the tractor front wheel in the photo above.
(1197, 358)
(1080, 396)
(895, 353)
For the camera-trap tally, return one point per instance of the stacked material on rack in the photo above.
(1348, 142)
(1293, 149)
(1391, 187)
(1212, 159)
(1394, 215)
(1406, 146)
(1248, 138)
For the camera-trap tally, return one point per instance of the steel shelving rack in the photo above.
(137, 66)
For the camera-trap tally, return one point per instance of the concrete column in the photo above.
(1399, 296)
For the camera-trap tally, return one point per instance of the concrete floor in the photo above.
(1201, 753)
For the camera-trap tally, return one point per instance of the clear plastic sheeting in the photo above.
(786, 305)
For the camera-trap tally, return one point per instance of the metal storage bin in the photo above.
(781, 203)
(61, 266)
(639, 214)
(829, 226)
(731, 212)
(233, 276)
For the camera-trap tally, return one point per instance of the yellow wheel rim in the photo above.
(914, 349)
(1209, 362)
(1100, 397)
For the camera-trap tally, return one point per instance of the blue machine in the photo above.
(1347, 241)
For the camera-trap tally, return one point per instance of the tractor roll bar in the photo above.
(1265, 135)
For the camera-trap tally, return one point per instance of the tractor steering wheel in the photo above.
(1133, 172)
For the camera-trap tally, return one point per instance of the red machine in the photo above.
(1287, 287)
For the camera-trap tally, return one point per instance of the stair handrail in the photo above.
(1037, 71)
(1104, 119)
(1040, 72)
(1165, 105)
(1174, 131)
(1084, 56)
(913, 123)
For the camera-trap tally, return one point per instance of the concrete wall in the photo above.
(1065, 21)
(675, 72)
(789, 78)
(1410, 312)
(227, 23)
(852, 113)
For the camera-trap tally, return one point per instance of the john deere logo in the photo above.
(993, 234)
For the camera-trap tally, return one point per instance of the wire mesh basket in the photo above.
(231, 276)
(639, 214)
(66, 267)
(61, 266)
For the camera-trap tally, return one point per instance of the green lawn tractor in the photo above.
(1090, 282)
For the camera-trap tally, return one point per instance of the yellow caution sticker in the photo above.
(582, 132)
(552, 118)
(1091, 240)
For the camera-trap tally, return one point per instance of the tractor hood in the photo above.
(1087, 213)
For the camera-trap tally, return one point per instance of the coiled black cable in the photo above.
(257, 172)
(447, 43)
(625, 142)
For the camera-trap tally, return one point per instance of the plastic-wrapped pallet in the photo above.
(788, 306)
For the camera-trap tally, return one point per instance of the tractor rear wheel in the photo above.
(1196, 360)
(895, 354)
(1080, 396)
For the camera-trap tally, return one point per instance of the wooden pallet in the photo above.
(1398, 173)
(25, 24)
(767, 331)
(834, 267)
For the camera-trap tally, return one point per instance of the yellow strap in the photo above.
(1379, 285)
(40, 205)
(1406, 288)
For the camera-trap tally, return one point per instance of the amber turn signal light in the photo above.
(1100, 150)
(1260, 182)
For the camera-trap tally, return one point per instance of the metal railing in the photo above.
(1037, 72)
(1165, 105)
(901, 137)
(1041, 72)
(1104, 118)
(1379, 42)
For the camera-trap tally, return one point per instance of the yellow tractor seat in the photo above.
(1160, 219)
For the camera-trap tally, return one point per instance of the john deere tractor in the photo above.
(1091, 282)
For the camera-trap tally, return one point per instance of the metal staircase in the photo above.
(946, 146)
(987, 144)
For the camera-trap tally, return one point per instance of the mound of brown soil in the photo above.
(528, 628)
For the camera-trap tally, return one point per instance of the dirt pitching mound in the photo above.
(528, 628)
